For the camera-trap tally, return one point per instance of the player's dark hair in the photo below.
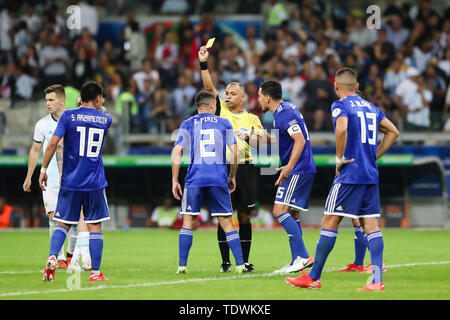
(57, 89)
(203, 98)
(272, 88)
(90, 91)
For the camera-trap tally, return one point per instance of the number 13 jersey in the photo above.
(84, 131)
(362, 136)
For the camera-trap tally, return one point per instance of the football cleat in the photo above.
(352, 268)
(62, 264)
(369, 269)
(97, 277)
(225, 267)
(181, 270)
(304, 281)
(373, 287)
(249, 267)
(241, 269)
(73, 267)
(296, 266)
(49, 272)
(86, 266)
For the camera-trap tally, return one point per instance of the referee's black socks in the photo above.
(245, 234)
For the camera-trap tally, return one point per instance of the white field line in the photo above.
(175, 282)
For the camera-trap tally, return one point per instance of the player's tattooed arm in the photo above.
(59, 155)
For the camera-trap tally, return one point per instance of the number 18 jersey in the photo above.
(362, 136)
(83, 130)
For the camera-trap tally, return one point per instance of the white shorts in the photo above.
(50, 197)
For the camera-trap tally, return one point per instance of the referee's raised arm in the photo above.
(203, 55)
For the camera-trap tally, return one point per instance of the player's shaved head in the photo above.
(346, 78)
(203, 99)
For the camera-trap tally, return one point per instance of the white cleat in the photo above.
(73, 267)
(296, 266)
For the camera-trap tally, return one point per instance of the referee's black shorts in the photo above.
(244, 197)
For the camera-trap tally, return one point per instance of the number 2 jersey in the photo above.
(207, 137)
(288, 120)
(83, 130)
(362, 136)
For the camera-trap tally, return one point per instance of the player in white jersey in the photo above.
(44, 128)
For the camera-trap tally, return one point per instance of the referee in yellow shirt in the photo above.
(247, 128)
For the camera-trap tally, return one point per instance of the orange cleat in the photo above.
(373, 287)
(352, 268)
(304, 281)
(61, 264)
(369, 269)
(97, 277)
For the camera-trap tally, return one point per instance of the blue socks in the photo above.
(361, 245)
(184, 245)
(295, 239)
(324, 246)
(234, 243)
(96, 249)
(376, 247)
(57, 240)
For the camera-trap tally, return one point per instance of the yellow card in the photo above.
(210, 43)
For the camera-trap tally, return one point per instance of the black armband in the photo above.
(203, 65)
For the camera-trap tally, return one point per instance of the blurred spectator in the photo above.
(180, 100)
(8, 83)
(294, 85)
(160, 111)
(252, 41)
(6, 214)
(144, 101)
(104, 71)
(54, 61)
(81, 68)
(253, 105)
(166, 56)
(414, 100)
(276, 15)
(32, 20)
(396, 33)
(394, 75)
(7, 16)
(112, 52)
(128, 97)
(136, 46)
(88, 44)
(444, 63)
(361, 35)
(22, 39)
(436, 84)
(383, 50)
(146, 72)
(422, 52)
(319, 97)
(165, 214)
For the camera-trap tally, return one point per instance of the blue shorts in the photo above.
(95, 206)
(295, 191)
(217, 198)
(353, 200)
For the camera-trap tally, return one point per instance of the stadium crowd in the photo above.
(404, 66)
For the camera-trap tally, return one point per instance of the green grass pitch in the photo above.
(141, 265)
